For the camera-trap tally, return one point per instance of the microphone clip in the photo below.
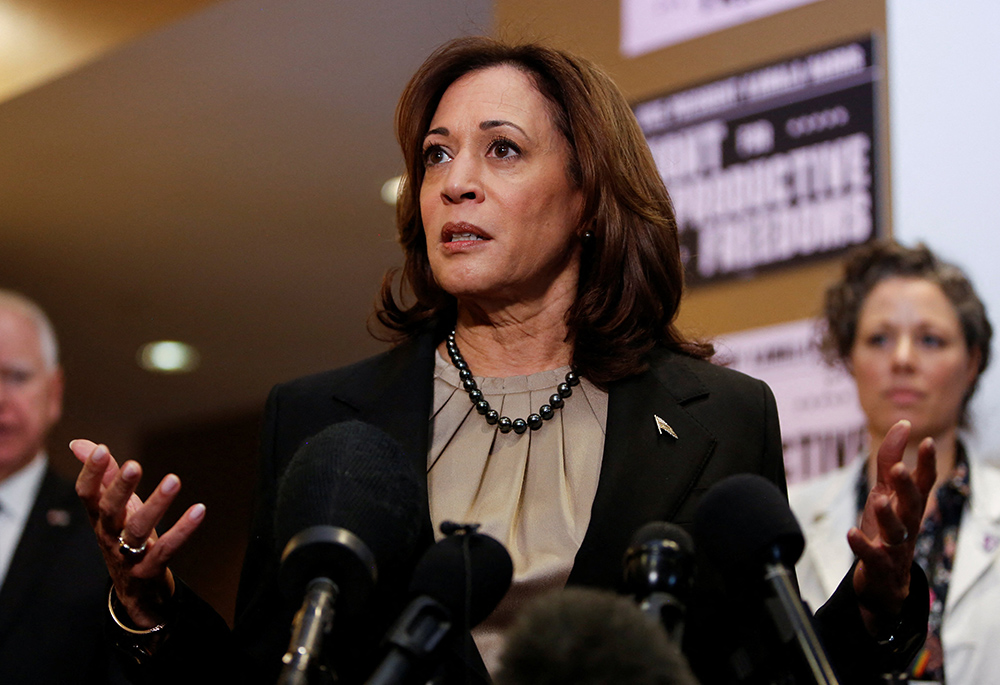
(450, 528)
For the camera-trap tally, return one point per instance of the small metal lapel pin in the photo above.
(664, 427)
(58, 517)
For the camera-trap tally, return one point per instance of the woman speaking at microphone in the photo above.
(537, 375)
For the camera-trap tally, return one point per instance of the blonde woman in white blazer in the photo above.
(915, 336)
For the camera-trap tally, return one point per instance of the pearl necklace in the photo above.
(504, 423)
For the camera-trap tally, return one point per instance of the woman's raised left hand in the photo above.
(890, 522)
(137, 558)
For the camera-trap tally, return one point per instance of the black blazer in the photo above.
(726, 423)
(54, 598)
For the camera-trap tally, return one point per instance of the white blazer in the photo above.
(970, 635)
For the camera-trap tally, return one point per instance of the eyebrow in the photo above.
(483, 126)
(496, 123)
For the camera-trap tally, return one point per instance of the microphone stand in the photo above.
(792, 616)
(312, 622)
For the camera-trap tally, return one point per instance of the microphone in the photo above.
(744, 525)
(659, 573)
(346, 507)
(456, 584)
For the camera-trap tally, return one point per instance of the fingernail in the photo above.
(899, 431)
(197, 512)
(100, 454)
(131, 470)
(170, 484)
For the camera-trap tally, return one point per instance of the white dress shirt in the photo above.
(17, 497)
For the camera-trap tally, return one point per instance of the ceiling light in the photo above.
(390, 190)
(168, 356)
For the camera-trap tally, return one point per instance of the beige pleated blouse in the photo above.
(533, 492)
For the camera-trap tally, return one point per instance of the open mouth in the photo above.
(462, 232)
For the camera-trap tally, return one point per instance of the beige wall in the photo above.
(591, 28)
(41, 40)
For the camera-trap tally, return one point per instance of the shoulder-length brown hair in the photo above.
(631, 277)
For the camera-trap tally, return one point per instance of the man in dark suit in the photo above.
(53, 582)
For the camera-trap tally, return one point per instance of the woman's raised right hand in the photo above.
(136, 557)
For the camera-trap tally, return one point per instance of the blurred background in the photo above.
(211, 172)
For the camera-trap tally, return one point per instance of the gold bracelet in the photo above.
(133, 631)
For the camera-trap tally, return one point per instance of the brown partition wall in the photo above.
(591, 28)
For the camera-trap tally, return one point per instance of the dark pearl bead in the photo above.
(504, 423)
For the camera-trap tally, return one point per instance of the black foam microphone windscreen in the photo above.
(456, 584)
(352, 477)
(744, 522)
(443, 575)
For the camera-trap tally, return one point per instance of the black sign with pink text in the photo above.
(773, 166)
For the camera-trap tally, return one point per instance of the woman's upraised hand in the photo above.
(136, 557)
(890, 523)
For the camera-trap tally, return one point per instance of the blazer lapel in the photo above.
(827, 523)
(979, 537)
(396, 396)
(646, 473)
(48, 524)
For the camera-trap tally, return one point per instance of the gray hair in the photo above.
(10, 299)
